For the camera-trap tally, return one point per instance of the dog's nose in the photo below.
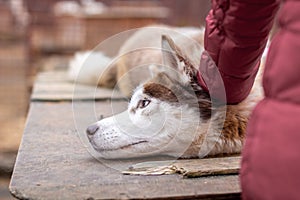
(92, 129)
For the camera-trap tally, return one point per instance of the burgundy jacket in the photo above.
(236, 34)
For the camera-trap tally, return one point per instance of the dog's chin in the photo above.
(138, 149)
(135, 151)
(132, 150)
(122, 154)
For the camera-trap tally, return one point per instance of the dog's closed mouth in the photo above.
(122, 147)
(132, 144)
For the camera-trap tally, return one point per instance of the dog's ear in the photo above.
(169, 54)
(174, 57)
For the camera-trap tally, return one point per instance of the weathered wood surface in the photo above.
(54, 163)
(190, 168)
(54, 86)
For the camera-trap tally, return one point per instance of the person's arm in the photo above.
(235, 37)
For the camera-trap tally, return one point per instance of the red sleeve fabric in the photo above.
(235, 37)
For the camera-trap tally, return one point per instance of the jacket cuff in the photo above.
(210, 79)
(221, 87)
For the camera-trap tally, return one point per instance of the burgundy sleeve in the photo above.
(235, 37)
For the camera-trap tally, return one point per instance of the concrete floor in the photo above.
(4, 192)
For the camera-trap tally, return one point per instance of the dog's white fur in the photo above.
(152, 125)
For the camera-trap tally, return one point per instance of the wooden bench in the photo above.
(54, 160)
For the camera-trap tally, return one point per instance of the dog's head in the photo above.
(168, 114)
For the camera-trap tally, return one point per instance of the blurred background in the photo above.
(41, 35)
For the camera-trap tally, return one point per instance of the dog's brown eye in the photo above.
(143, 103)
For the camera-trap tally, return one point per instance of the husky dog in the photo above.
(170, 113)
(142, 48)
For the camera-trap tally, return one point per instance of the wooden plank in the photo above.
(53, 162)
(189, 168)
(54, 86)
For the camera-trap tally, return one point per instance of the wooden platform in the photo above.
(56, 162)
